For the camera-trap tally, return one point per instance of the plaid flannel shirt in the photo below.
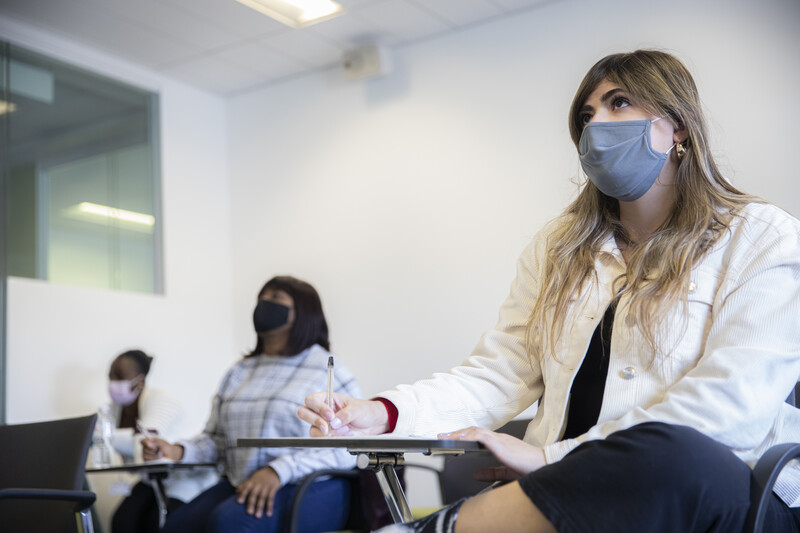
(259, 397)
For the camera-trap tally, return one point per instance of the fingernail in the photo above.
(336, 423)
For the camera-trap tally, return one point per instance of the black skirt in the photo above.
(652, 477)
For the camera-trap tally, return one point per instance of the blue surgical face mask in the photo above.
(619, 158)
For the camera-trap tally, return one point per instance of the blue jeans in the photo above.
(326, 506)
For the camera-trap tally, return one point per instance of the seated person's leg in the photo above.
(129, 515)
(652, 477)
(325, 508)
(193, 517)
(511, 512)
(138, 513)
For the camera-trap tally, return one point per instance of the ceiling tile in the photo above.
(225, 46)
(350, 4)
(348, 31)
(462, 12)
(259, 58)
(181, 23)
(305, 47)
(231, 15)
(404, 21)
(515, 5)
(100, 28)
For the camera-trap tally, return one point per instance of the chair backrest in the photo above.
(43, 455)
(457, 480)
(48, 455)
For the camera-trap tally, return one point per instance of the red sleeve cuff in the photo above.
(391, 410)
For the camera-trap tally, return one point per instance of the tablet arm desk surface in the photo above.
(380, 454)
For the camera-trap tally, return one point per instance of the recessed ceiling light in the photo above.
(296, 13)
(119, 214)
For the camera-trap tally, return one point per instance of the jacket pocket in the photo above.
(688, 326)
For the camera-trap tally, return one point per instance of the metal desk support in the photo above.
(158, 489)
(383, 465)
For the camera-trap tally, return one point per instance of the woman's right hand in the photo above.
(349, 416)
(154, 448)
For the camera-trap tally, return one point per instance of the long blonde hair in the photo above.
(659, 268)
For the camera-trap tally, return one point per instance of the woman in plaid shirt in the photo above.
(258, 398)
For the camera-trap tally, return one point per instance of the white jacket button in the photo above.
(692, 287)
(628, 372)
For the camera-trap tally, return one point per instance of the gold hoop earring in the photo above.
(680, 151)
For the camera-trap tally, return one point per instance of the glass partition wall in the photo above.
(80, 182)
(4, 64)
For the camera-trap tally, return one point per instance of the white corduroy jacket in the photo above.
(728, 364)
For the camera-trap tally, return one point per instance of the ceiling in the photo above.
(225, 47)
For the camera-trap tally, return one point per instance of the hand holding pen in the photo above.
(154, 448)
(146, 433)
(150, 450)
(344, 415)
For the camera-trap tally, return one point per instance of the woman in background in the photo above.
(136, 405)
(255, 399)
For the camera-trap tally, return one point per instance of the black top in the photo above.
(586, 396)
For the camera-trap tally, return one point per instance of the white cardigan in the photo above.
(727, 370)
(161, 411)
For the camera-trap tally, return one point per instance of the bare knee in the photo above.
(505, 509)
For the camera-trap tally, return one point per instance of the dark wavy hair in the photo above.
(310, 326)
(142, 360)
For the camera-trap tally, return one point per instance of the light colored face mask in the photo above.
(124, 391)
(619, 158)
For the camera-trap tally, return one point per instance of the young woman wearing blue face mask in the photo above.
(289, 361)
(654, 322)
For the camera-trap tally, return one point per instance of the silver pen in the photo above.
(330, 382)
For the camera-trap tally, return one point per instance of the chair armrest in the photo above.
(305, 484)
(83, 499)
(765, 473)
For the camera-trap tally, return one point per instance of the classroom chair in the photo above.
(766, 472)
(368, 509)
(42, 476)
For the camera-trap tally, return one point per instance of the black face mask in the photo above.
(269, 315)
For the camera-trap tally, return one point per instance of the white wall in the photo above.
(61, 339)
(406, 200)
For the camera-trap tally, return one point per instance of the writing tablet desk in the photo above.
(380, 454)
(155, 471)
